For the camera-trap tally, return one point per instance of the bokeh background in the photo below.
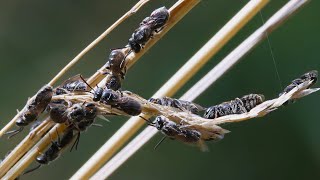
(37, 38)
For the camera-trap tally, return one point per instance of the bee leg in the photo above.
(158, 144)
(76, 142)
(14, 132)
(97, 125)
(31, 170)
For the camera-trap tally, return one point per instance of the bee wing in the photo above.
(209, 131)
(103, 118)
(71, 80)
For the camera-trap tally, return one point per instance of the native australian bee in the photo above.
(54, 151)
(35, 106)
(116, 100)
(114, 82)
(154, 23)
(179, 104)
(78, 117)
(176, 131)
(252, 100)
(117, 69)
(157, 19)
(309, 76)
(236, 106)
(312, 75)
(74, 84)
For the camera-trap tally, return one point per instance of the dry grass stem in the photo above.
(133, 10)
(176, 82)
(149, 132)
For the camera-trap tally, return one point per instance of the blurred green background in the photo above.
(37, 38)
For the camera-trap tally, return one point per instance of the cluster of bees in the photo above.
(79, 116)
(191, 135)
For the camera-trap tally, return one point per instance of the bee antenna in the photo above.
(111, 49)
(51, 138)
(85, 81)
(148, 121)
(76, 142)
(125, 57)
(33, 169)
(14, 132)
(158, 144)
(144, 119)
(59, 140)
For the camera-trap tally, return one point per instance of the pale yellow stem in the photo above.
(149, 132)
(171, 87)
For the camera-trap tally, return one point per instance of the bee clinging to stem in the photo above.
(150, 25)
(34, 107)
(177, 103)
(176, 131)
(74, 84)
(54, 151)
(309, 76)
(236, 106)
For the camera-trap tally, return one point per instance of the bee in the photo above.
(54, 151)
(157, 19)
(252, 100)
(116, 67)
(116, 100)
(154, 23)
(179, 104)
(80, 117)
(116, 63)
(90, 113)
(35, 106)
(236, 106)
(73, 84)
(139, 37)
(58, 113)
(309, 76)
(173, 131)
